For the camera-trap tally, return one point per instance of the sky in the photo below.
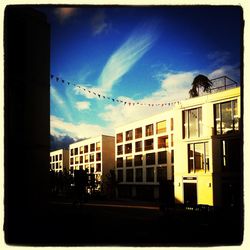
(146, 55)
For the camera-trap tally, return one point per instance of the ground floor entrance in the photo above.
(190, 193)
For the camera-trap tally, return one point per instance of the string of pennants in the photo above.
(101, 96)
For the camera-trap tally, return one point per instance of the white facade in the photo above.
(145, 155)
(59, 160)
(95, 155)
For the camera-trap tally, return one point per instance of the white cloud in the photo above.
(89, 92)
(61, 128)
(174, 87)
(82, 105)
(98, 23)
(55, 96)
(64, 13)
(219, 57)
(123, 59)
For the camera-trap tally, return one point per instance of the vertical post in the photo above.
(225, 84)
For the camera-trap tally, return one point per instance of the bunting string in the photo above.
(101, 96)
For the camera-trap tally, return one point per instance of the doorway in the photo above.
(190, 193)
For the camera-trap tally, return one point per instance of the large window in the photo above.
(129, 135)
(129, 161)
(149, 144)
(119, 138)
(92, 157)
(98, 167)
(129, 175)
(161, 127)
(76, 151)
(226, 119)
(138, 146)
(119, 175)
(149, 130)
(138, 160)
(231, 149)
(86, 149)
(128, 148)
(162, 157)
(86, 158)
(98, 156)
(150, 174)
(192, 123)
(138, 175)
(198, 157)
(150, 159)
(138, 133)
(120, 149)
(119, 162)
(98, 146)
(163, 141)
(81, 150)
(92, 147)
(161, 174)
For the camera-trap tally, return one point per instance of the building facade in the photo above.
(145, 156)
(59, 160)
(208, 148)
(95, 155)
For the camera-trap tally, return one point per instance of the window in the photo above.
(120, 149)
(129, 135)
(150, 174)
(86, 149)
(138, 133)
(98, 156)
(149, 130)
(119, 138)
(226, 118)
(172, 156)
(129, 175)
(71, 161)
(60, 157)
(92, 147)
(119, 162)
(231, 154)
(92, 157)
(150, 159)
(81, 150)
(76, 151)
(138, 160)
(129, 161)
(172, 140)
(163, 141)
(149, 144)
(198, 157)
(76, 159)
(161, 127)
(128, 148)
(162, 157)
(161, 174)
(192, 125)
(86, 158)
(71, 152)
(138, 146)
(81, 159)
(56, 157)
(98, 146)
(172, 124)
(138, 174)
(119, 175)
(98, 167)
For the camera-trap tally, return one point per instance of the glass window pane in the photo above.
(199, 156)
(226, 117)
(161, 127)
(193, 123)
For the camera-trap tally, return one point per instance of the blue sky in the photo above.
(135, 54)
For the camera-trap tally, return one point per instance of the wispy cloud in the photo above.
(61, 128)
(82, 105)
(124, 58)
(99, 23)
(55, 96)
(63, 13)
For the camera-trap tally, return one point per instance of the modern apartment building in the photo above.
(95, 155)
(59, 160)
(145, 156)
(208, 149)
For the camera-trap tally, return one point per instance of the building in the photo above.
(95, 155)
(59, 160)
(26, 121)
(208, 149)
(145, 156)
